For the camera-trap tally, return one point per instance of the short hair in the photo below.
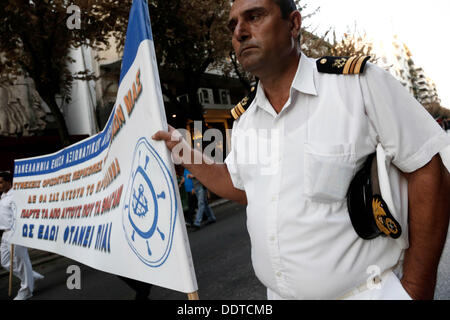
(6, 175)
(286, 7)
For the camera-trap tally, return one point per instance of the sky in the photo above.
(424, 26)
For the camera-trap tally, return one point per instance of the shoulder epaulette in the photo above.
(342, 65)
(242, 106)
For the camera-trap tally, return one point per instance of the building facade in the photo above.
(395, 57)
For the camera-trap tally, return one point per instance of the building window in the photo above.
(183, 98)
(224, 96)
(205, 96)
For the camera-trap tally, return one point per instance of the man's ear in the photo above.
(296, 23)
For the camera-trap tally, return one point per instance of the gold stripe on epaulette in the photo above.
(358, 66)
(348, 65)
(233, 113)
(356, 63)
(238, 112)
(240, 108)
(352, 68)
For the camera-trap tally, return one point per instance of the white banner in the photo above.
(112, 201)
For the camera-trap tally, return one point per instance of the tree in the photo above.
(352, 45)
(35, 39)
(189, 37)
(436, 110)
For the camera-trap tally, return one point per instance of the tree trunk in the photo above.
(59, 118)
(196, 109)
(242, 79)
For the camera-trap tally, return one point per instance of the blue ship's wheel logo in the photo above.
(140, 206)
(150, 210)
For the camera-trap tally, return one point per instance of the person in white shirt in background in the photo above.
(21, 263)
(328, 119)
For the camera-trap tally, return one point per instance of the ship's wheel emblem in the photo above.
(150, 208)
(140, 206)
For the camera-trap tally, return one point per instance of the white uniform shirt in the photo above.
(303, 243)
(6, 213)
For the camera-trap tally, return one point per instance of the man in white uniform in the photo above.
(21, 262)
(322, 119)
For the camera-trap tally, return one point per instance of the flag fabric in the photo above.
(112, 201)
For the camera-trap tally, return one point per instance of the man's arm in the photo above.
(213, 176)
(429, 212)
(181, 182)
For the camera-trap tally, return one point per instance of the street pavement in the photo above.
(221, 254)
(443, 281)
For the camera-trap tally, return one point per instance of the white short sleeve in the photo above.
(232, 166)
(6, 214)
(405, 129)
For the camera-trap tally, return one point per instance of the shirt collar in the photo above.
(303, 81)
(5, 194)
(304, 78)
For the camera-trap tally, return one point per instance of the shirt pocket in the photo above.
(328, 171)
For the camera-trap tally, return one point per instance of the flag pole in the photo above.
(193, 296)
(11, 266)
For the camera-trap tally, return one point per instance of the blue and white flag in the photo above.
(111, 201)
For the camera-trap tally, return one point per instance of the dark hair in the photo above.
(6, 175)
(286, 7)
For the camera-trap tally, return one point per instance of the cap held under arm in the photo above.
(369, 213)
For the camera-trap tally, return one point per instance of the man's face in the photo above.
(4, 185)
(260, 37)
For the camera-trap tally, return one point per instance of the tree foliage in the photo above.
(436, 110)
(35, 41)
(189, 37)
(352, 45)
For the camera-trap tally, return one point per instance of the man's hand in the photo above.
(172, 137)
(179, 147)
(212, 175)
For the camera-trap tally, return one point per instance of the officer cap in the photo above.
(369, 213)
